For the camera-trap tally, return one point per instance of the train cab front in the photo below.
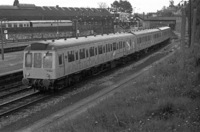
(38, 70)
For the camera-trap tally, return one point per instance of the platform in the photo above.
(16, 44)
(12, 62)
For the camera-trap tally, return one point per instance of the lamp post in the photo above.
(2, 38)
(190, 22)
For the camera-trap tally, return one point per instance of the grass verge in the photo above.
(166, 98)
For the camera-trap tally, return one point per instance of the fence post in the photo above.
(183, 23)
(194, 26)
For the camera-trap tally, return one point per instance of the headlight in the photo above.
(27, 74)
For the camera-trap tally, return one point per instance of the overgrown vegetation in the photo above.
(167, 98)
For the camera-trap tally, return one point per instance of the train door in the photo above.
(107, 55)
(66, 63)
(128, 46)
(100, 54)
(82, 58)
(77, 61)
(92, 56)
(117, 50)
(96, 55)
(61, 69)
(120, 48)
(104, 53)
(114, 47)
(71, 65)
(124, 48)
(87, 58)
(152, 39)
(133, 45)
(110, 51)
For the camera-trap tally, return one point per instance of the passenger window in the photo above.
(100, 49)
(10, 25)
(76, 55)
(60, 59)
(96, 51)
(20, 25)
(130, 43)
(138, 40)
(114, 46)
(104, 49)
(91, 51)
(15, 25)
(87, 54)
(109, 48)
(28, 60)
(71, 56)
(82, 53)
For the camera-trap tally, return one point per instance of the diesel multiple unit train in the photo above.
(51, 65)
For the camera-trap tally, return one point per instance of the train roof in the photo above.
(139, 32)
(164, 28)
(150, 30)
(72, 42)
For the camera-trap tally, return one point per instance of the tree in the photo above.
(16, 2)
(102, 5)
(195, 4)
(164, 8)
(122, 6)
(171, 3)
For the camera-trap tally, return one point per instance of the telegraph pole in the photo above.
(183, 23)
(194, 26)
(2, 39)
(190, 22)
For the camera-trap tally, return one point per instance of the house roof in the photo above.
(32, 12)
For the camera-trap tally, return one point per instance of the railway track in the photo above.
(11, 106)
(11, 93)
(10, 80)
(16, 104)
(14, 49)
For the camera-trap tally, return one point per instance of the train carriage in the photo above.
(50, 64)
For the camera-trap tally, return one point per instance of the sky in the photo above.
(139, 6)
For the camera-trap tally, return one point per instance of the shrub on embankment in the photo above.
(167, 98)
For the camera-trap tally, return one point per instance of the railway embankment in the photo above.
(165, 98)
